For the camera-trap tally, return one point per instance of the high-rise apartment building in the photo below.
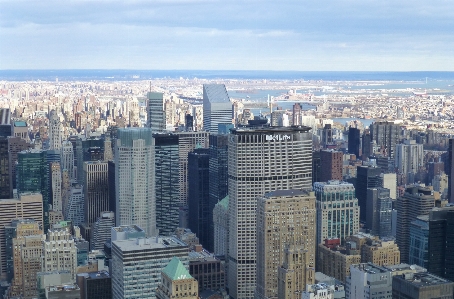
(55, 131)
(221, 227)
(331, 163)
(67, 158)
(366, 177)
(187, 142)
(137, 265)
(156, 118)
(134, 180)
(59, 252)
(200, 216)
(417, 201)
(96, 190)
(354, 141)
(284, 218)
(33, 176)
(337, 210)
(217, 108)
(386, 135)
(167, 173)
(27, 206)
(253, 171)
(409, 158)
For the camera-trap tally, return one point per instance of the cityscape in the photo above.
(206, 149)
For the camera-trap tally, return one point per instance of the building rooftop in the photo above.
(98, 275)
(148, 243)
(291, 192)
(292, 129)
(403, 267)
(224, 202)
(20, 124)
(370, 268)
(128, 229)
(175, 270)
(203, 255)
(216, 93)
(423, 279)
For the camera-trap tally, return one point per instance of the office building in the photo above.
(75, 208)
(96, 190)
(55, 186)
(386, 135)
(297, 113)
(409, 158)
(176, 282)
(368, 281)
(51, 279)
(417, 201)
(221, 227)
(292, 275)
(422, 286)
(6, 182)
(101, 230)
(166, 173)
(95, 285)
(217, 108)
(316, 167)
(380, 252)
(354, 141)
(284, 218)
(55, 131)
(134, 180)
(366, 177)
(254, 171)
(337, 210)
(67, 158)
(390, 182)
(206, 269)
(27, 206)
(200, 217)
(450, 172)
(335, 260)
(137, 265)
(218, 173)
(379, 212)
(187, 142)
(156, 119)
(331, 163)
(112, 188)
(324, 291)
(66, 291)
(33, 176)
(15, 146)
(59, 252)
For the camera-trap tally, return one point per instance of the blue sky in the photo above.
(305, 35)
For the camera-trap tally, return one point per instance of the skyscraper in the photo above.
(254, 171)
(55, 131)
(221, 227)
(166, 171)
(379, 212)
(156, 118)
(337, 210)
(217, 108)
(386, 135)
(450, 172)
(366, 177)
(409, 158)
(354, 141)
(15, 146)
(96, 190)
(285, 219)
(6, 183)
(200, 216)
(67, 158)
(55, 186)
(59, 252)
(101, 230)
(297, 111)
(416, 201)
(331, 163)
(134, 179)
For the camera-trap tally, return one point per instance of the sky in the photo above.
(304, 35)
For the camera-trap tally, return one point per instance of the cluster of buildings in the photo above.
(240, 207)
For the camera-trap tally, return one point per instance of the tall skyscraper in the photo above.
(55, 186)
(27, 206)
(55, 131)
(450, 172)
(59, 252)
(409, 158)
(96, 190)
(379, 212)
(331, 163)
(217, 108)
(254, 171)
(67, 158)
(297, 112)
(75, 209)
(200, 217)
(386, 135)
(33, 176)
(354, 141)
(337, 210)
(285, 218)
(366, 177)
(134, 179)
(6, 183)
(156, 118)
(15, 146)
(221, 227)
(187, 142)
(416, 201)
(167, 173)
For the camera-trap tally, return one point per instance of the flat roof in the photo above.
(290, 192)
(292, 129)
(148, 243)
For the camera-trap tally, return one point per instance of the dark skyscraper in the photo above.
(366, 148)
(386, 134)
(451, 171)
(188, 122)
(353, 141)
(200, 216)
(6, 184)
(331, 163)
(166, 182)
(366, 177)
(379, 212)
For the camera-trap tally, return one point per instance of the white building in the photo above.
(59, 252)
(368, 281)
(75, 209)
(55, 131)
(67, 158)
(217, 108)
(134, 179)
(56, 194)
(409, 158)
(221, 226)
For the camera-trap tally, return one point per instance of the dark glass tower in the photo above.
(6, 184)
(166, 182)
(353, 141)
(200, 216)
(366, 177)
(33, 176)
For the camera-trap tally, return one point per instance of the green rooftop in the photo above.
(20, 124)
(224, 202)
(175, 270)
